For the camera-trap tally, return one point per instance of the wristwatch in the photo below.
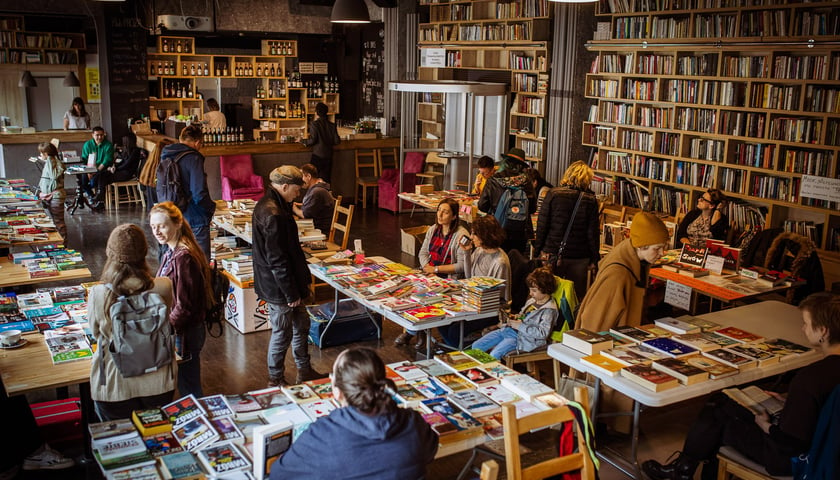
(436, 269)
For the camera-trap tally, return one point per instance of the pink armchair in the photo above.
(389, 182)
(238, 178)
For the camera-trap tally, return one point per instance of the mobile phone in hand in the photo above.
(465, 241)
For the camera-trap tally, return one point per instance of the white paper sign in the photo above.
(821, 188)
(306, 67)
(714, 264)
(320, 68)
(432, 57)
(678, 295)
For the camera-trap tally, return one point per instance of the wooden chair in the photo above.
(514, 427)
(489, 470)
(132, 193)
(435, 167)
(332, 246)
(367, 174)
(388, 158)
(732, 464)
(530, 360)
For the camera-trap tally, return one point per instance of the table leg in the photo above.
(333, 317)
(634, 443)
(461, 335)
(87, 416)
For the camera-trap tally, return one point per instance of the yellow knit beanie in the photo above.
(647, 229)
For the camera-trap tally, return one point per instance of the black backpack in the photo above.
(169, 186)
(215, 318)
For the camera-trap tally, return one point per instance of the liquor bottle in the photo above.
(272, 72)
(218, 70)
(177, 46)
(250, 70)
(187, 46)
(165, 46)
(160, 68)
(192, 69)
(206, 70)
(259, 70)
(184, 70)
(189, 91)
(273, 50)
(225, 69)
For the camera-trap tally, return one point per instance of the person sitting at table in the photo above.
(769, 442)
(51, 186)
(704, 222)
(530, 329)
(126, 167)
(368, 436)
(486, 168)
(98, 152)
(318, 203)
(617, 296)
(441, 253)
(485, 258)
(125, 273)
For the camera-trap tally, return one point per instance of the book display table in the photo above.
(12, 275)
(770, 319)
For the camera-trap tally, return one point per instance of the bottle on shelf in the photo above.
(192, 69)
(178, 46)
(165, 46)
(206, 70)
(273, 71)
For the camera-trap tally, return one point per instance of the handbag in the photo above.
(557, 260)
(567, 384)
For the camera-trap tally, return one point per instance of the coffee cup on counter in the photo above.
(10, 338)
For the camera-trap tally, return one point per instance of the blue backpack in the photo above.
(512, 210)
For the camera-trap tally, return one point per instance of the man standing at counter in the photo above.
(322, 137)
(98, 152)
(200, 207)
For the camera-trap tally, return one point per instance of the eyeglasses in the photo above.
(704, 199)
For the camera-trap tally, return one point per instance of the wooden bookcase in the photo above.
(18, 46)
(493, 35)
(741, 95)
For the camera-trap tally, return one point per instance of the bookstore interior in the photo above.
(617, 219)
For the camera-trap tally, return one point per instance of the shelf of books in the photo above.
(18, 46)
(494, 36)
(675, 114)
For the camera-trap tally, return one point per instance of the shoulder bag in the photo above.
(556, 260)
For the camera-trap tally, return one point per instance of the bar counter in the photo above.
(16, 148)
(269, 155)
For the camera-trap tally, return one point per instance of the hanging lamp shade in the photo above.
(350, 11)
(71, 80)
(27, 80)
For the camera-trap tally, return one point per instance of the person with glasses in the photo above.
(706, 221)
(617, 296)
(368, 436)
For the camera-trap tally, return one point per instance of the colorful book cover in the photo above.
(162, 444)
(228, 430)
(223, 458)
(151, 421)
(216, 406)
(183, 410)
(670, 347)
(322, 387)
(457, 361)
(300, 393)
(479, 377)
(407, 370)
(738, 334)
(196, 433)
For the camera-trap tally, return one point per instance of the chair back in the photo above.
(414, 162)
(489, 470)
(514, 427)
(367, 163)
(344, 228)
(238, 168)
(388, 158)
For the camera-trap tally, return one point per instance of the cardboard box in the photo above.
(412, 239)
(424, 189)
(245, 311)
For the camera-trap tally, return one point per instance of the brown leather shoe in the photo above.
(420, 342)
(403, 339)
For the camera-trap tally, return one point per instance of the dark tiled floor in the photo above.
(236, 363)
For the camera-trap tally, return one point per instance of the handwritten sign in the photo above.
(306, 67)
(694, 256)
(432, 57)
(678, 295)
(714, 264)
(320, 68)
(821, 188)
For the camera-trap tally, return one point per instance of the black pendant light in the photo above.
(71, 80)
(27, 80)
(350, 11)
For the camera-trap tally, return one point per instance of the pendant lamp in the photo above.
(27, 80)
(350, 11)
(71, 80)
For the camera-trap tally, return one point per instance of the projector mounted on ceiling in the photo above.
(179, 23)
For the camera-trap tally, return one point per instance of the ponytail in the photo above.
(360, 375)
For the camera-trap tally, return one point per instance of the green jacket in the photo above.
(104, 152)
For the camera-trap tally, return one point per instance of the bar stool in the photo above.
(131, 194)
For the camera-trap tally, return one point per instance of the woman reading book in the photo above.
(704, 222)
(368, 437)
(440, 254)
(770, 442)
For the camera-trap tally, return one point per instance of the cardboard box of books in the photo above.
(245, 311)
(412, 239)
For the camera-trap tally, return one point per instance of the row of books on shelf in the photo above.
(239, 436)
(49, 260)
(677, 351)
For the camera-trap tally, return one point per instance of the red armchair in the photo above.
(389, 181)
(238, 178)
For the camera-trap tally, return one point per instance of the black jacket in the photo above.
(495, 187)
(281, 274)
(554, 218)
(717, 230)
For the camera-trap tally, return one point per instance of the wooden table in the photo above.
(771, 319)
(12, 275)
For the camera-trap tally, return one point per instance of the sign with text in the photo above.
(694, 256)
(714, 264)
(821, 188)
(678, 295)
(320, 68)
(306, 67)
(432, 57)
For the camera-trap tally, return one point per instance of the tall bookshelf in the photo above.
(493, 35)
(741, 95)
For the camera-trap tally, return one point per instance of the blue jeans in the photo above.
(202, 237)
(501, 341)
(289, 326)
(189, 370)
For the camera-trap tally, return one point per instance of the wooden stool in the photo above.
(131, 194)
(732, 464)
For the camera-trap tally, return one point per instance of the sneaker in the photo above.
(47, 459)
(277, 382)
(403, 339)
(307, 374)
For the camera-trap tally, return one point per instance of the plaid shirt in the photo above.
(439, 247)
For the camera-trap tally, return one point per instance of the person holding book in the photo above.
(617, 296)
(127, 273)
(318, 202)
(441, 254)
(51, 186)
(368, 437)
(531, 328)
(706, 221)
(183, 262)
(769, 442)
(576, 235)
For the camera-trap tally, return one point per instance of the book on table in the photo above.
(670, 347)
(429, 387)
(196, 433)
(603, 364)
(454, 382)
(270, 397)
(474, 402)
(183, 410)
(786, 349)
(525, 386)
(650, 378)
(244, 406)
(322, 387)
(686, 373)
(291, 413)
(150, 421)
(144, 471)
(625, 356)
(738, 334)
(478, 377)
(676, 326)
(407, 370)
(715, 368)
(270, 443)
(161, 444)
(702, 323)
(300, 393)
(586, 341)
(223, 458)
(122, 428)
(728, 357)
(216, 406)
(457, 361)
(755, 400)
(697, 341)
(645, 351)
(761, 356)
(499, 394)
(655, 330)
(228, 431)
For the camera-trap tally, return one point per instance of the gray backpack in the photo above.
(142, 340)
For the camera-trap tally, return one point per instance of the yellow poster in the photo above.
(94, 94)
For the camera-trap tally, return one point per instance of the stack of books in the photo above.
(482, 293)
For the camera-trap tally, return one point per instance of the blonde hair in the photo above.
(578, 175)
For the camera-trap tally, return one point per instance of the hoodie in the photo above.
(318, 204)
(200, 207)
(348, 444)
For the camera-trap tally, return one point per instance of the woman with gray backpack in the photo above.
(134, 366)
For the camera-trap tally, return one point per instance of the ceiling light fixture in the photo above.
(350, 11)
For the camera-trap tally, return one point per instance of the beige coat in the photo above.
(114, 387)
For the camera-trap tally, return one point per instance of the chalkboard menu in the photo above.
(129, 86)
(373, 72)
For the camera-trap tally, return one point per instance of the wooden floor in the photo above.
(237, 363)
